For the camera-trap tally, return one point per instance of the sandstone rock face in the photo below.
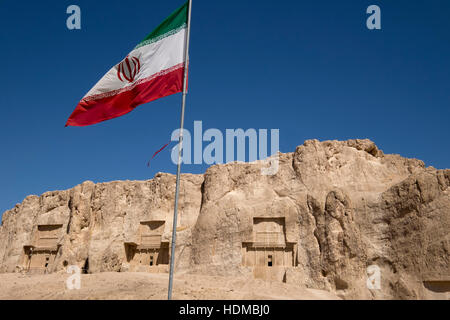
(333, 209)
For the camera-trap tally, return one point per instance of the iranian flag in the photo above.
(154, 69)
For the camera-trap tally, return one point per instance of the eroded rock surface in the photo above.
(333, 209)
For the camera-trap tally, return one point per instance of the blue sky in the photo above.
(309, 68)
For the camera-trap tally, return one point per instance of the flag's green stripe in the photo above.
(174, 23)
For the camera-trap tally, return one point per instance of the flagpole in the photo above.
(180, 147)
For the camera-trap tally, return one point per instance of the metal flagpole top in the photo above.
(180, 147)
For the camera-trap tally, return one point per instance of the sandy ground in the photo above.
(150, 286)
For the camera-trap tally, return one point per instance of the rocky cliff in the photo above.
(332, 210)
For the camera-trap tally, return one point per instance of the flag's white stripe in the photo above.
(136, 83)
(167, 34)
(161, 55)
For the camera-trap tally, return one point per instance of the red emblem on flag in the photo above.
(128, 69)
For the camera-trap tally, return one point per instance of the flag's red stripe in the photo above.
(91, 112)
